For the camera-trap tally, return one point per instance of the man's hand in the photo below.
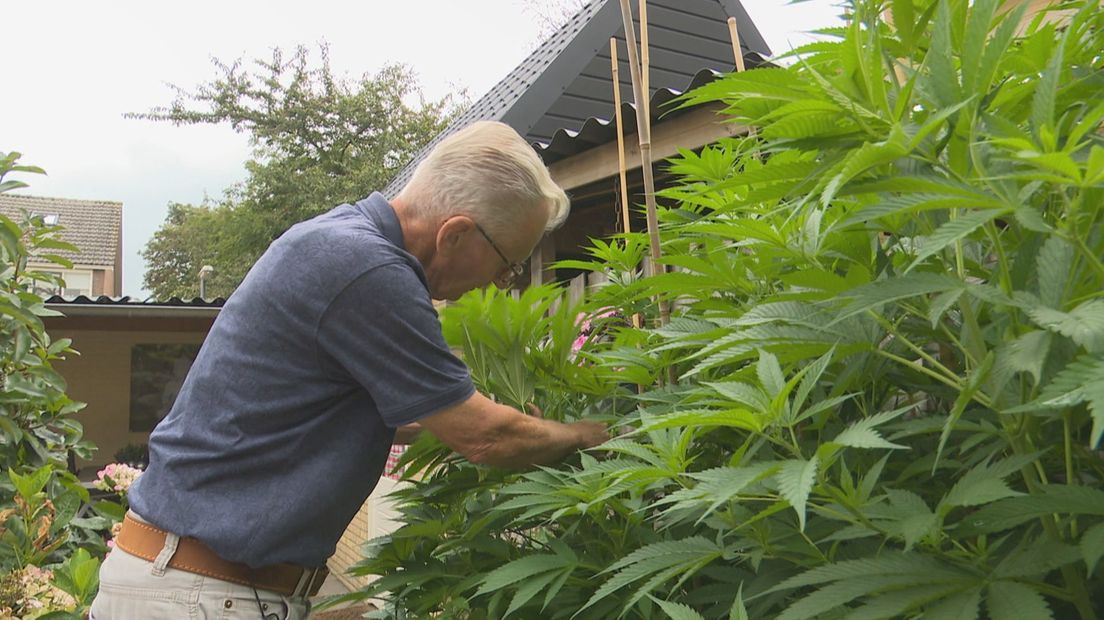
(590, 433)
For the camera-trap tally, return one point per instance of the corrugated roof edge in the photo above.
(596, 131)
(126, 301)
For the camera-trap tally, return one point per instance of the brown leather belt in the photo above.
(146, 541)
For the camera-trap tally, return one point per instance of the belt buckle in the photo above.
(306, 582)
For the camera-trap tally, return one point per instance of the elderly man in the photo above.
(329, 345)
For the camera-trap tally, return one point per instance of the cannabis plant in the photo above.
(888, 352)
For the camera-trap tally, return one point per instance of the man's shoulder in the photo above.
(341, 236)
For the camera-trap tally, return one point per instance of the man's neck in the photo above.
(419, 235)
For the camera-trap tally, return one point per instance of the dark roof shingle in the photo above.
(560, 98)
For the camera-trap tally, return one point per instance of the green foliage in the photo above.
(318, 140)
(39, 497)
(887, 350)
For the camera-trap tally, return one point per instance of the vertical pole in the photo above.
(737, 51)
(645, 64)
(644, 132)
(620, 136)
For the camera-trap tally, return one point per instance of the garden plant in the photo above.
(887, 345)
(48, 554)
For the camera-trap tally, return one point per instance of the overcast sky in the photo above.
(74, 67)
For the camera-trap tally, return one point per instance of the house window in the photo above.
(157, 372)
(76, 283)
(46, 289)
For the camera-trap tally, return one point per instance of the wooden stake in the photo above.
(620, 134)
(734, 34)
(645, 64)
(644, 132)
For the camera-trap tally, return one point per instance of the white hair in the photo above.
(488, 172)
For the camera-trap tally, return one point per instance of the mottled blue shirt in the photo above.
(284, 424)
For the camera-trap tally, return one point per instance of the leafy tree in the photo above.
(318, 139)
(889, 353)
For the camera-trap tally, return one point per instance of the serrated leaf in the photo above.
(973, 385)
(522, 568)
(894, 604)
(1036, 559)
(1008, 600)
(1028, 353)
(857, 162)
(1046, 89)
(981, 485)
(738, 611)
(742, 393)
(914, 519)
(941, 76)
(678, 611)
(1080, 381)
(770, 374)
(842, 592)
(1055, 262)
(962, 606)
(530, 588)
(1032, 220)
(941, 303)
(684, 556)
(717, 486)
(880, 292)
(855, 437)
(1084, 324)
(1054, 499)
(795, 483)
(1092, 546)
(703, 418)
(890, 563)
(952, 231)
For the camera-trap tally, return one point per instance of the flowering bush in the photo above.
(117, 477)
(30, 593)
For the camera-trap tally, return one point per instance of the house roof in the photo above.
(560, 98)
(94, 226)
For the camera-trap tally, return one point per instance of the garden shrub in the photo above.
(889, 357)
(48, 554)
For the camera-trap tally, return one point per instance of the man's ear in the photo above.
(452, 231)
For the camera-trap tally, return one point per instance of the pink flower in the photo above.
(117, 477)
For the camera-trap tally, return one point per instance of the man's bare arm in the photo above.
(486, 432)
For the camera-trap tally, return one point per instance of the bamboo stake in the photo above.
(645, 64)
(644, 132)
(620, 134)
(736, 50)
(738, 53)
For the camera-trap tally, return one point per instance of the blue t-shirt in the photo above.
(285, 421)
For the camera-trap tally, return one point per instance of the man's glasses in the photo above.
(513, 270)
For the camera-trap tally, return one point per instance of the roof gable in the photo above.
(94, 226)
(566, 83)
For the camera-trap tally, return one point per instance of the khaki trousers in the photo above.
(132, 588)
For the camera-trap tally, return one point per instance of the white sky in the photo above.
(74, 67)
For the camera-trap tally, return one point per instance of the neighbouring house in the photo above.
(94, 226)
